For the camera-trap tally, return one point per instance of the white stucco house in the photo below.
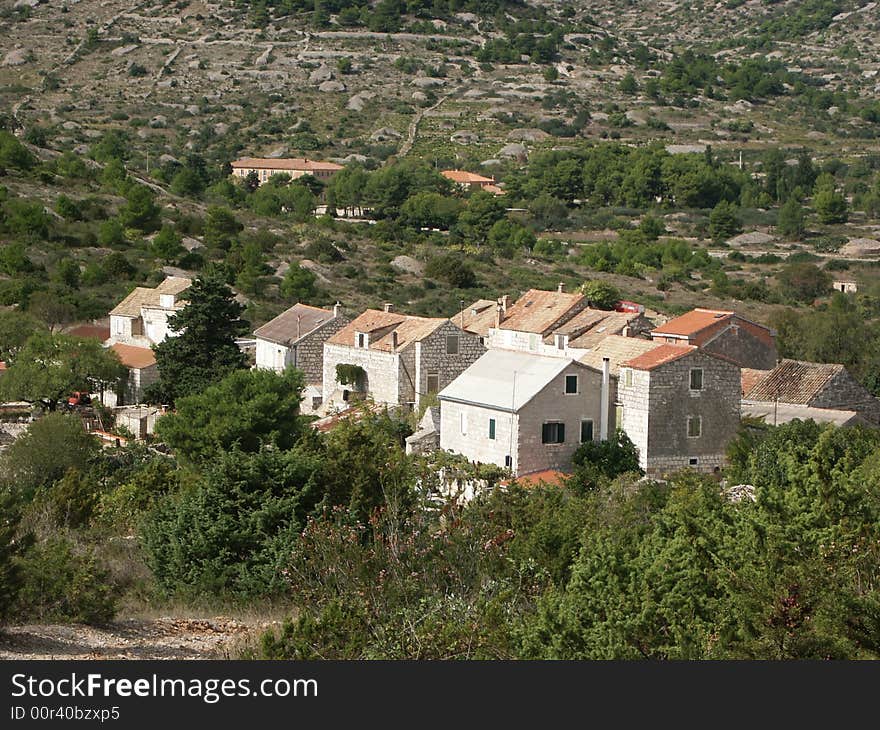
(141, 319)
(526, 412)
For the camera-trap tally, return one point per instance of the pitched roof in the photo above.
(478, 317)
(750, 376)
(505, 379)
(591, 322)
(692, 322)
(293, 324)
(659, 356)
(537, 310)
(381, 324)
(793, 381)
(145, 297)
(285, 163)
(617, 349)
(548, 477)
(462, 176)
(90, 332)
(776, 414)
(133, 357)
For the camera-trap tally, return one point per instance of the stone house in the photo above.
(141, 319)
(295, 167)
(728, 334)
(817, 385)
(471, 181)
(295, 338)
(525, 325)
(680, 405)
(478, 318)
(142, 371)
(525, 412)
(400, 358)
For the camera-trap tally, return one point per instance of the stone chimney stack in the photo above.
(388, 307)
(336, 309)
(561, 288)
(393, 340)
(505, 303)
(499, 313)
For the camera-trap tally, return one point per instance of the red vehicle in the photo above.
(79, 398)
(627, 306)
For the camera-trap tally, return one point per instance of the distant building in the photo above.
(847, 287)
(817, 385)
(525, 412)
(724, 333)
(680, 405)
(295, 167)
(477, 318)
(402, 358)
(141, 319)
(472, 181)
(295, 338)
(142, 371)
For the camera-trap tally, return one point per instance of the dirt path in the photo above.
(162, 638)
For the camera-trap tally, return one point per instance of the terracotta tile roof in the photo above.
(659, 356)
(292, 324)
(538, 311)
(749, 377)
(793, 381)
(90, 332)
(784, 412)
(145, 297)
(618, 350)
(478, 317)
(135, 358)
(462, 176)
(594, 322)
(689, 324)
(381, 324)
(285, 163)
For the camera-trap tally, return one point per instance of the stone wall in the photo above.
(472, 441)
(846, 393)
(672, 401)
(742, 343)
(382, 368)
(430, 356)
(137, 380)
(633, 394)
(308, 353)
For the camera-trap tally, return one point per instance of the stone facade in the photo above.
(306, 354)
(517, 443)
(745, 344)
(658, 404)
(137, 380)
(401, 378)
(843, 391)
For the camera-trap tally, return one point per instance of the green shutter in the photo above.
(491, 428)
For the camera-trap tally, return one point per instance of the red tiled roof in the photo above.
(91, 332)
(749, 377)
(793, 381)
(537, 311)
(659, 356)
(462, 176)
(692, 322)
(285, 163)
(133, 357)
(381, 324)
(549, 477)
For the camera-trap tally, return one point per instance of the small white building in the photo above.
(525, 412)
(846, 287)
(142, 371)
(141, 319)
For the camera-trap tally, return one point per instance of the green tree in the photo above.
(205, 350)
(829, 204)
(15, 329)
(452, 269)
(298, 284)
(724, 221)
(601, 294)
(804, 281)
(247, 410)
(13, 154)
(139, 210)
(482, 212)
(221, 228)
(11, 546)
(167, 244)
(49, 367)
(791, 223)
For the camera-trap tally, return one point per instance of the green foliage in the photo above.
(15, 329)
(792, 221)
(247, 410)
(167, 244)
(139, 210)
(62, 584)
(430, 210)
(205, 351)
(24, 217)
(601, 294)
(298, 284)
(13, 154)
(221, 228)
(483, 211)
(452, 269)
(804, 282)
(353, 375)
(10, 549)
(49, 367)
(597, 462)
(724, 221)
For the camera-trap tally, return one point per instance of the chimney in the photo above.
(393, 340)
(505, 303)
(603, 412)
(388, 307)
(336, 309)
(298, 326)
(561, 288)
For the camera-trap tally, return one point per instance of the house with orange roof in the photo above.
(472, 181)
(141, 319)
(725, 333)
(142, 371)
(394, 358)
(680, 405)
(295, 167)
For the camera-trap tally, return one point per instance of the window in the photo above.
(508, 462)
(695, 427)
(361, 339)
(628, 378)
(463, 423)
(586, 430)
(452, 345)
(492, 428)
(571, 384)
(618, 416)
(561, 341)
(553, 433)
(433, 382)
(693, 461)
(533, 342)
(696, 378)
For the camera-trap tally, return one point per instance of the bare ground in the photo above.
(134, 638)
